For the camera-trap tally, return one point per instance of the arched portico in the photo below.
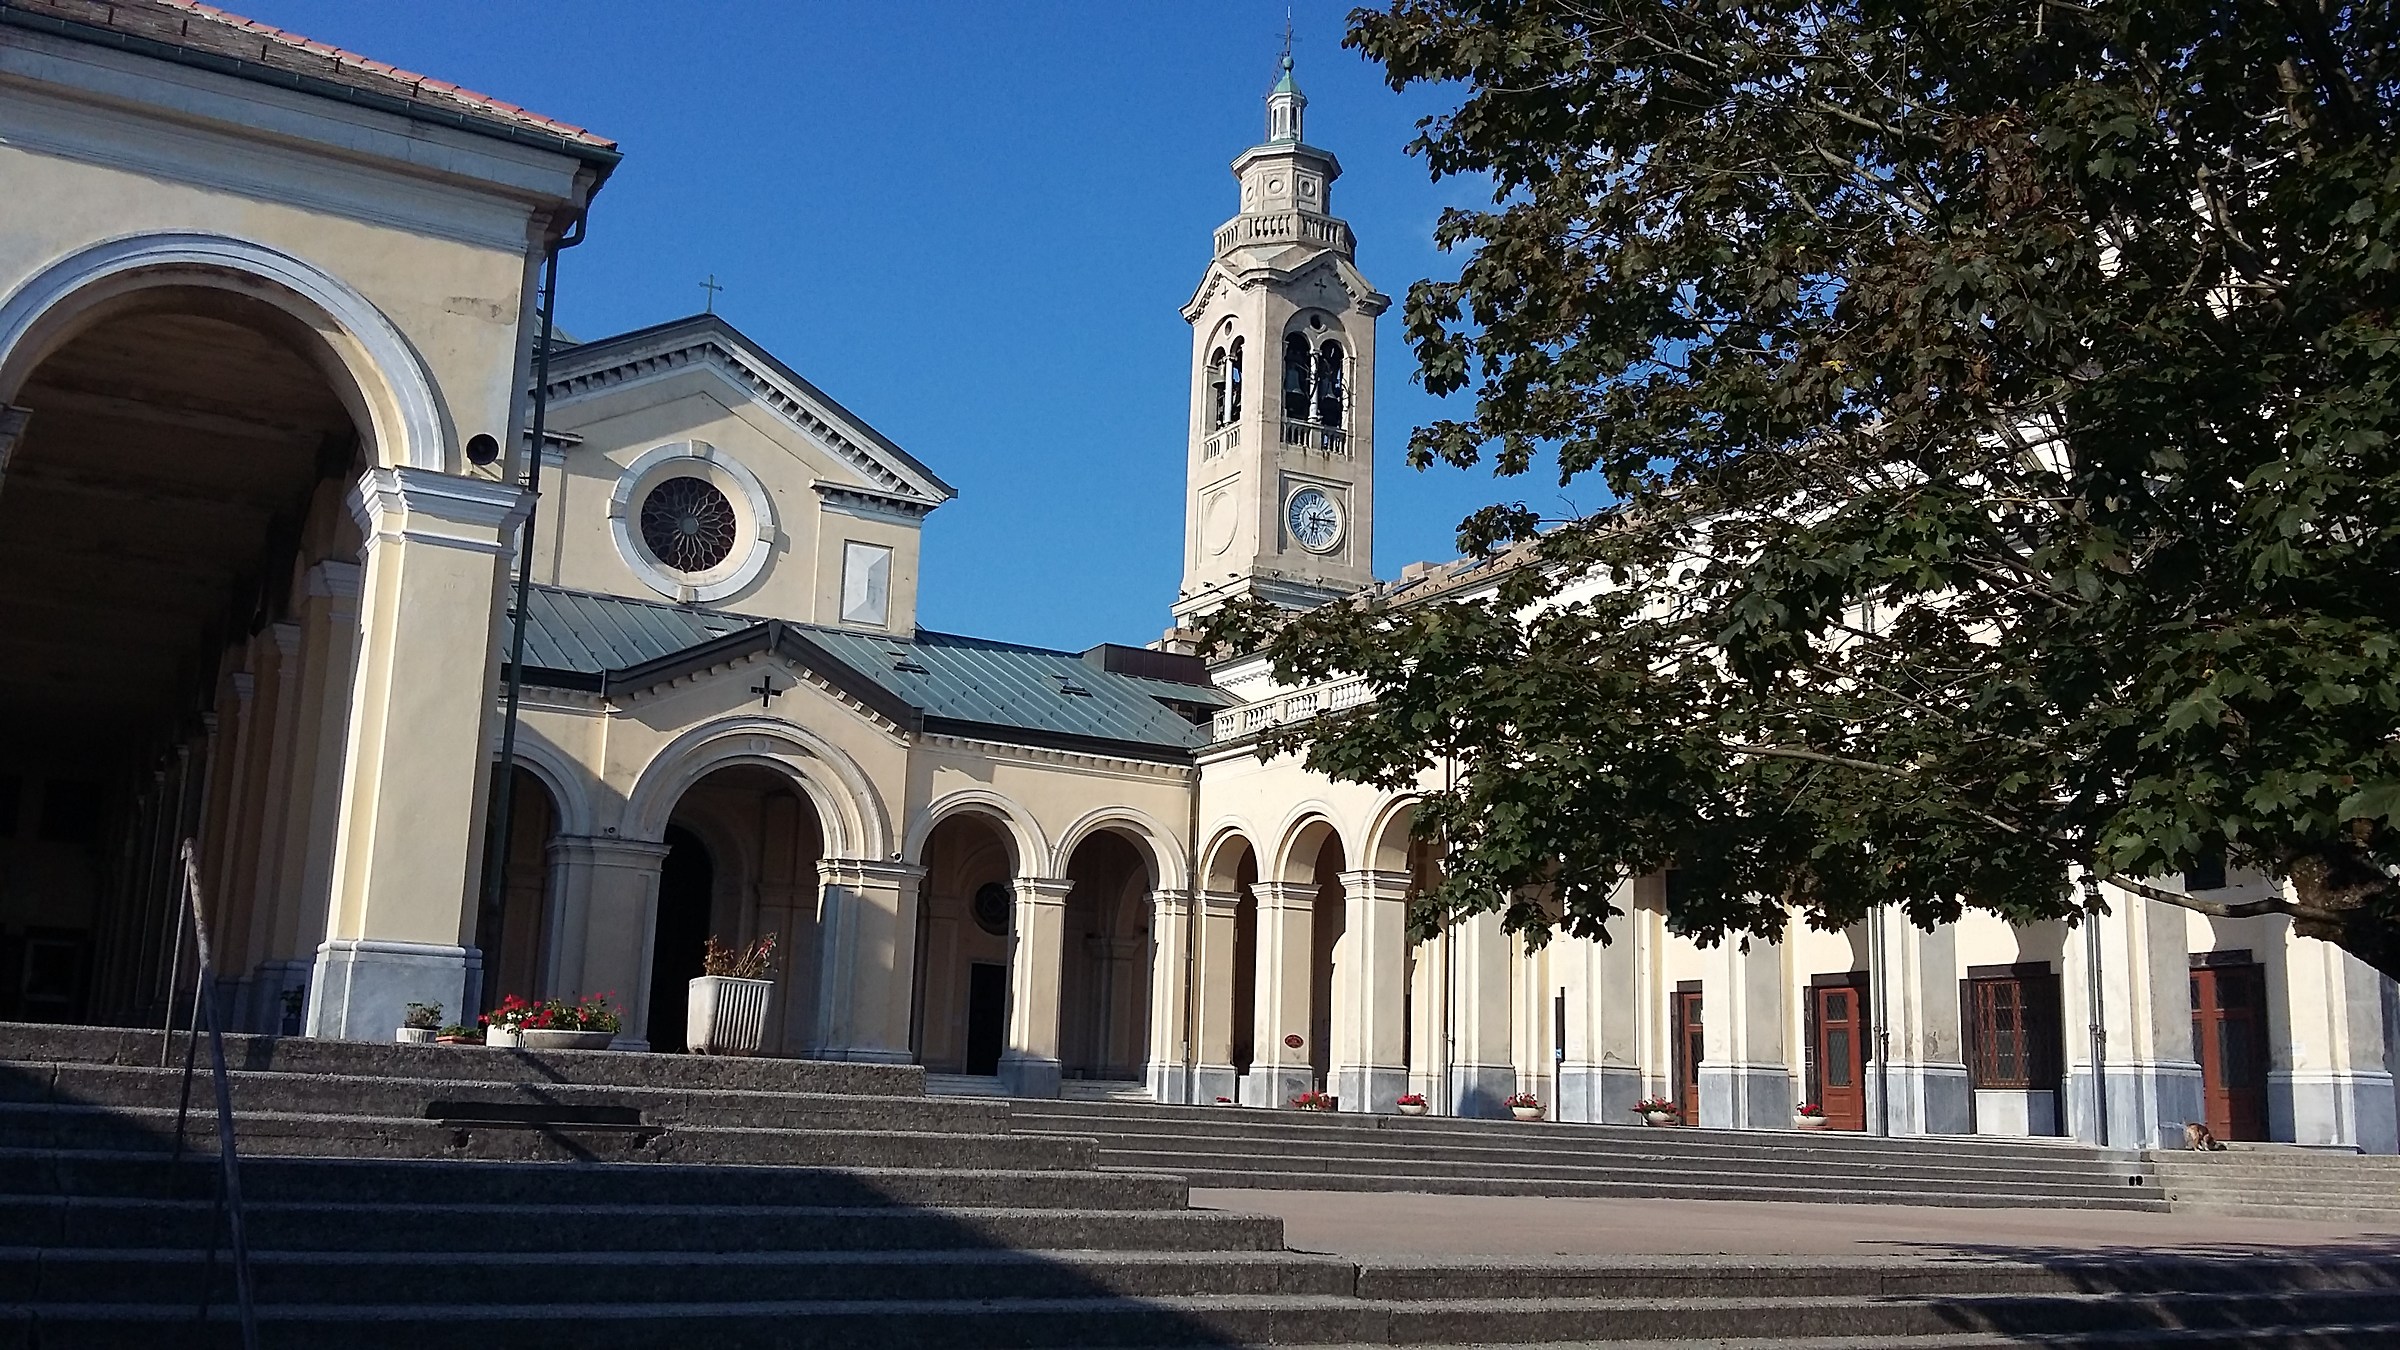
(196, 410)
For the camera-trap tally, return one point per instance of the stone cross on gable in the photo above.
(766, 690)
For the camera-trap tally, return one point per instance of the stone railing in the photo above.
(1221, 440)
(1251, 719)
(1316, 436)
(1288, 227)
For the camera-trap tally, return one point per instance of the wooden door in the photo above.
(1841, 1056)
(2229, 1036)
(1687, 1054)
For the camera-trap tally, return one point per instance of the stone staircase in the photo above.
(2283, 1181)
(1243, 1148)
(442, 1198)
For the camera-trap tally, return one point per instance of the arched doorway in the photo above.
(743, 844)
(1104, 982)
(1233, 872)
(965, 917)
(175, 653)
(512, 929)
(1316, 861)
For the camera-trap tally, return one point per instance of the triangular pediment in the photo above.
(1284, 268)
(707, 342)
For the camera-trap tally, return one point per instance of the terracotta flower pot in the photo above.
(727, 1015)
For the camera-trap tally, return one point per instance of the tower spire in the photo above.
(1285, 102)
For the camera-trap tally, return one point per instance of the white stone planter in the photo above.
(727, 1016)
(1413, 1108)
(552, 1038)
(501, 1038)
(416, 1035)
(1526, 1112)
(1808, 1122)
(1661, 1119)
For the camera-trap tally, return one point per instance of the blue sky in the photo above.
(973, 224)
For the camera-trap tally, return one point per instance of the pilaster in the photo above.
(867, 959)
(1745, 1072)
(1599, 1066)
(1214, 1074)
(605, 912)
(1484, 1073)
(2153, 1080)
(1171, 1053)
(1925, 1068)
(414, 780)
(1370, 1067)
(1036, 954)
(2334, 1088)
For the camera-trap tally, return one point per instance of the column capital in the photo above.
(1041, 890)
(445, 510)
(1285, 894)
(1220, 902)
(868, 872)
(607, 850)
(332, 578)
(1170, 901)
(1378, 883)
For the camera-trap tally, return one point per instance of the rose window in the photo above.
(688, 524)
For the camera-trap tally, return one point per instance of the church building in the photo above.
(270, 374)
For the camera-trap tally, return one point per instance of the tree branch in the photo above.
(2218, 909)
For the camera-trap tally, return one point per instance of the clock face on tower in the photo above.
(1314, 520)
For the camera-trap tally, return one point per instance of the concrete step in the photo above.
(25, 1044)
(69, 1275)
(74, 1222)
(82, 1173)
(408, 1097)
(1216, 1319)
(344, 1136)
(1728, 1189)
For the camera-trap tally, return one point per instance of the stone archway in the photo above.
(1104, 974)
(744, 844)
(967, 918)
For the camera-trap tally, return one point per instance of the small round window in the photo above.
(991, 908)
(688, 524)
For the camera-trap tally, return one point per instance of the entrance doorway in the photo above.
(2229, 1037)
(687, 885)
(1686, 1030)
(1838, 1044)
(987, 1016)
(1104, 976)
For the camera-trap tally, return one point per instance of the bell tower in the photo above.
(1279, 498)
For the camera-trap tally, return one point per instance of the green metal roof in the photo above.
(928, 681)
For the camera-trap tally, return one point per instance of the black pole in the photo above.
(504, 777)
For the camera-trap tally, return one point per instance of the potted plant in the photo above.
(1808, 1116)
(1658, 1111)
(500, 1025)
(1224, 1101)
(418, 1024)
(454, 1034)
(1523, 1105)
(1313, 1101)
(588, 1023)
(1412, 1103)
(727, 1014)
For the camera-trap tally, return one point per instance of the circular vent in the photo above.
(991, 908)
(688, 524)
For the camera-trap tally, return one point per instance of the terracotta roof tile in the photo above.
(205, 28)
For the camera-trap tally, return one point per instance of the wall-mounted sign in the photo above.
(1292, 1041)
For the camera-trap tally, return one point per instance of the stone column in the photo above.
(867, 959)
(607, 913)
(231, 775)
(787, 902)
(1279, 1070)
(1370, 1032)
(1214, 1076)
(1915, 1001)
(261, 1008)
(1485, 1071)
(1173, 977)
(1745, 1070)
(2153, 1080)
(1036, 958)
(417, 769)
(2335, 1089)
(304, 876)
(1599, 1069)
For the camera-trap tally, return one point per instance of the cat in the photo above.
(2200, 1139)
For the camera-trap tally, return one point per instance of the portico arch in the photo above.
(849, 809)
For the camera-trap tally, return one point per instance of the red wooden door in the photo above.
(1687, 1055)
(1841, 1057)
(2229, 1036)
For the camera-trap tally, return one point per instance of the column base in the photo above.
(1477, 1090)
(2148, 1104)
(868, 1054)
(1370, 1087)
(1597, 1094)
(1172, 1084)
(1029, 1075)
(1925, 1099)
(265, 1012)
(1745, 1097)
(1273, 1087)
(2354, 1108)
(362, 986)
(2015, 1114)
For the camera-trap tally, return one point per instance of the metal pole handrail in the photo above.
(229, 1176)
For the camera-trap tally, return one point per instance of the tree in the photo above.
(1996, 405)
